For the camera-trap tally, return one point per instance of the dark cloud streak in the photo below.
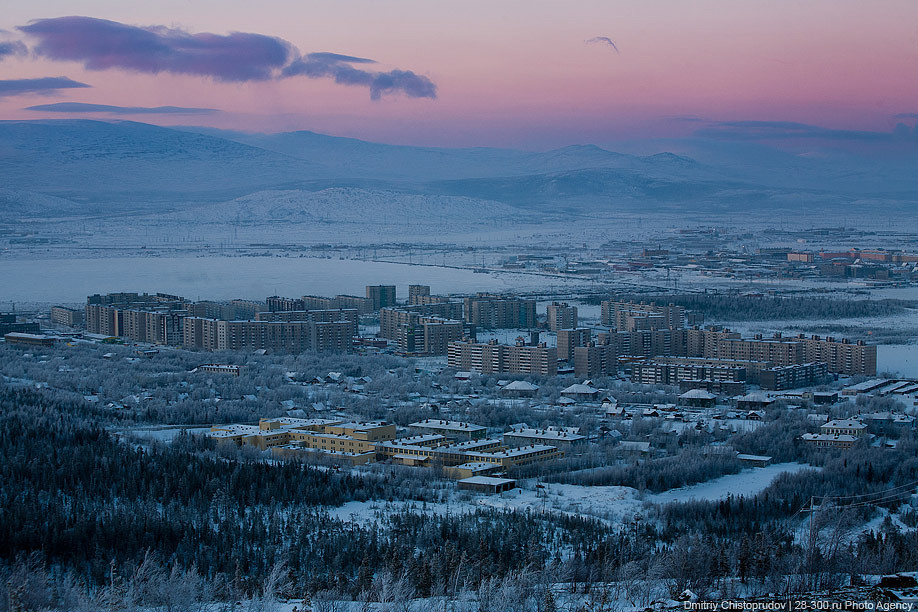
(81, 107)
(332, 65)
(44, 85)
(100, 44)
(784, 130)
(12, 48)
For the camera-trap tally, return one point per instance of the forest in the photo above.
(88, 521)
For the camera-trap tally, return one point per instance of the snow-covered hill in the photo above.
(348, 205)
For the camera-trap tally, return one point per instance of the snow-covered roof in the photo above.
(844, 424)
(521, 385)
(546, 434)
(759, 398)
(697, 394)
(579, 389)
(487, 480)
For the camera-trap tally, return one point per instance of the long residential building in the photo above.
(71, 317)
(391, 318)
(350, 315)
(779, 378)
(494, 358)
(289, 336)
(500, 312)
(629, 316)
(841, 357)
(426, 329)
(313, 302)
(675, 372)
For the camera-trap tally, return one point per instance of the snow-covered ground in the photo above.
(608, 503)
(748, 483)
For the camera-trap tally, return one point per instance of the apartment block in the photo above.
(675, 372)
(451, 430)
(559, 437)
(390, 319)
(348, 315)
(843, 357)
(630, 316)
(595, 360)
(569, 339)
(780, 378)
(644, 343)
(415, 329)
(417, 292)
(561, 316)
(494, 358)
(381, 296)
(71, 317)
(500, 312)
(759, 349)
(289, 336)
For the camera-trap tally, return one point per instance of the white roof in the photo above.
(447, 425)
(628, 444)
(546, 434)
(476, 465)
(487, 480)
(521, 385)
(580, 389)
(755, 397)
(523, 450)
(844, 424)
(828, 437)
(697, 394)
(745, 457)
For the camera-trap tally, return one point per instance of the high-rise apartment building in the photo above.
(494, 358)
(381, 296)
(561, 316)
(569, 339)
(629, 316)
(498, 312)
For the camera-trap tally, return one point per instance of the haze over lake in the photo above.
(224, 278)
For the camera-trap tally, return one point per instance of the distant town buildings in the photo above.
(424, 328)
(561, 316)
(569, 339)
(495, 358)
(380, 296)
(628, 316)
(461, 448)
(289, 336)
(71, 317)
(616, 348)
(9, 324)
(486, 311)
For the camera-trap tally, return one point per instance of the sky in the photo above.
(510, 73)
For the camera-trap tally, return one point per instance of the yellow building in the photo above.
(328, 435)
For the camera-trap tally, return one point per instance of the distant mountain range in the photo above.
(81, 167)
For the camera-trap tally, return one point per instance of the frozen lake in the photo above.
(223, 278)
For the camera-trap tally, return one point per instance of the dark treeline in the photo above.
(93, 506)
(686, 468)
(91, 510)
(858, 482)
(749, 308)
